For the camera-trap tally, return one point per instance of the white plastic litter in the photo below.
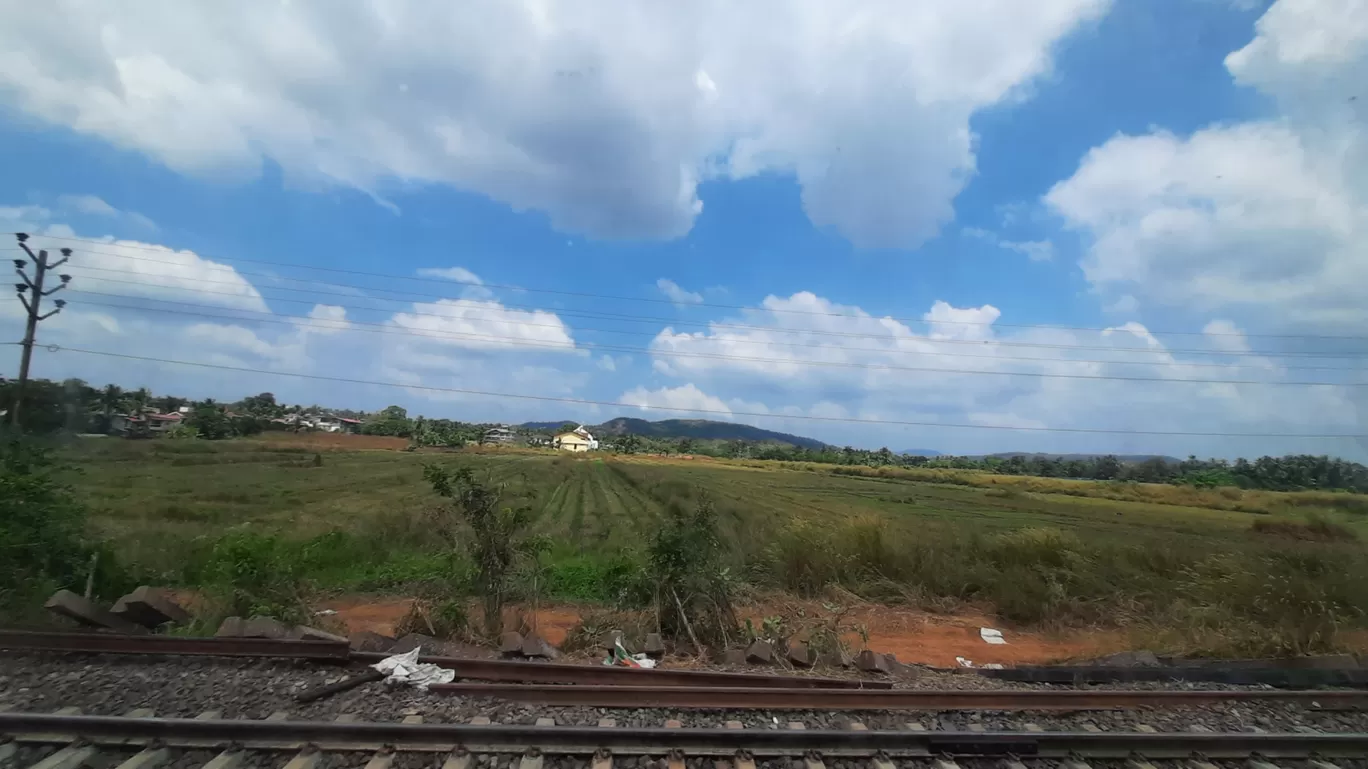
(406, 669)
(989, 635)
(964, 663)
(325, 612)
(643, 661)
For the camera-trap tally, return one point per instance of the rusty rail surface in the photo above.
(391, 736)
(110, 643)
(480, 670)
(896, 699)
(604, 676)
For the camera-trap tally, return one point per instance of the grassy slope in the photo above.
(150, 495)
(1037, 549)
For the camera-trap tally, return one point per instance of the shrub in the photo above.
(494, 537)
(246, 572)
(43, 543)
(692, 587)
(1316, 528)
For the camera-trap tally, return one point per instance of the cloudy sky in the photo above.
(970, 226)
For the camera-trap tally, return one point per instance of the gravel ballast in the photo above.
(188, 686)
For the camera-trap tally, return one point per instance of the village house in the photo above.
(577, 439)
(499, 436)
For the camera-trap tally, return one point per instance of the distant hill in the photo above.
(546, 425)
(1083, 457)
(922, 453)
(702, 429)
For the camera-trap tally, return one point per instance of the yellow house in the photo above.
(578, 439)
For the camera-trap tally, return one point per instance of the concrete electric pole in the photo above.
(33, 303)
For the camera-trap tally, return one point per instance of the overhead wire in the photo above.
(653, 300)
(255, 292)
(346, 324)
(618, 404)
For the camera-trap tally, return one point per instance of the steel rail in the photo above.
(480, 670)
(1238, 672)
(335, 736)
(715, 698)
(110, 643)
(603, 675)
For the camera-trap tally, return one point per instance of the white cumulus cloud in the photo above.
(685, 397)
(1266, 219)
(676, 294)
(606, 114)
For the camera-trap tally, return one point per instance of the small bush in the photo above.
(43, 540)
(692, 587)
(1316, 528)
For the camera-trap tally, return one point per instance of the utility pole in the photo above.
(34, 307)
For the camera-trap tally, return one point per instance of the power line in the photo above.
(653, 300)
(641, 319)
(616, 404)
(392, 328)
(518, 342)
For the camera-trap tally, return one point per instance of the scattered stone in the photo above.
(611, 640)
(265, 627)
(654, 646)
(306, 633)
(871, 662)
(536, 646)
(231, 627)
(799, 655)
(760, 653)
(733, 657)
(411, 640)
(147, 606)
(511, 643)
(86, 612)
(903, 670)
(368, 641)
(1136, 659)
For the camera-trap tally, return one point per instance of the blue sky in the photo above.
(855, 221)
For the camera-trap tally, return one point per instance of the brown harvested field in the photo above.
(334, 441)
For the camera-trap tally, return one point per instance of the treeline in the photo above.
(1297, 472)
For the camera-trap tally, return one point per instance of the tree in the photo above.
(170, 403)
(393, 420)
(1107, 468)
(262, 405)
(210, 421)
(494, 535)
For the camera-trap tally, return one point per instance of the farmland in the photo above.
(353, 520)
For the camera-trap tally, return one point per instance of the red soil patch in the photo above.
(911, 635)
(915, 636)
(376, 615)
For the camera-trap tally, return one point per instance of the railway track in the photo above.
(142, 741)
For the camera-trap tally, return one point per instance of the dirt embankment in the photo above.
(910, 634)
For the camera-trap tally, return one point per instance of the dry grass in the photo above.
(1226, 498)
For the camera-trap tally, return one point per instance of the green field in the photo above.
(1039, 553)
